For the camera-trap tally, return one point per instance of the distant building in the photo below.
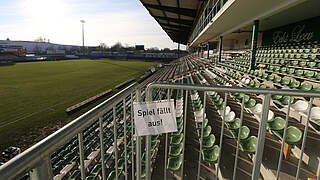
(40, 47)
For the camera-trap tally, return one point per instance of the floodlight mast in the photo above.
(82, 21)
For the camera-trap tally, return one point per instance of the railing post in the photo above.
(102, 151)
(208, 50)
(220, 48)
(42, 171)
(148, 142)
(115, 141)
(132, 135)
(184, 130)
(82, 168)
(166, 149)
(261, 137)
(138, 144)
(125, 139)
(254, 44)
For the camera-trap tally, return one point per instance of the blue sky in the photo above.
(107, 21)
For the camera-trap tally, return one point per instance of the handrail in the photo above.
(198, 87)
(36, 154)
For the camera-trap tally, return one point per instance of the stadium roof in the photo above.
(176, 17)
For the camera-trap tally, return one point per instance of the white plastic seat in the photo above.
(315, 113)
(230, 117)
(300, 105)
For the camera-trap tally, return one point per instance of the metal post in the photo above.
(238, 142)
(115, 141)
(261, 137)
(283, 140)
(132, 134)
(82, 21)
(184, 131)
(42, 171)
(201, 138)
(254, 44)
(138, 144)
(220, 48)
(82, 168)
(103, 165)
(166, 148)
(125, 140)
(148, 144)
(222, 131)
(201, 49)
(304, 139)
(178, 50)
(208, 50)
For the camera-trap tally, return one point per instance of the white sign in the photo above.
(154, 117)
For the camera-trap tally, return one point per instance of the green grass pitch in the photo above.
(35, 95)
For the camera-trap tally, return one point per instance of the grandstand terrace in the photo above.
(246, 101)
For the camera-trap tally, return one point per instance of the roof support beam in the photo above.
(186, 28)
(181, 11)
(179, 21)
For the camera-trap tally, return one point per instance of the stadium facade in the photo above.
(250, 110)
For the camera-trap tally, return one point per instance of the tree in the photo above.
(117, 47)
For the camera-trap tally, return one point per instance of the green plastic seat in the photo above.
(90, 178)
(295, 84)
(211, 155)
(285, 100)
(283, 70)
(276, 97)
(245, 131)
(235, 124)
(179, 119)
(75, 175)
(174, 163)
(312, 64)
(175, 149)
(121, 163)
(309, 74)
(252, 83)
(271, 77)
(176, 139)
(277, 69)
(317, 76)
(277, 124)
(208, 141)
(154, 137)
(262, 86)
(206, 131)
(251, 103)
(316, 88)
(282, 62)
(199, 124)
(302, 63)
(306, 87)
(290, 70)
(265, 76)
(249, 145)
(299, 72)
(294, 135)
(277, 79)
(294, 63)
(285, 81)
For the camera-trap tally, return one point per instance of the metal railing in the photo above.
(36, 160)
(210, 10)
(257, 158)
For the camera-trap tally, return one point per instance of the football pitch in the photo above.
(34, 95)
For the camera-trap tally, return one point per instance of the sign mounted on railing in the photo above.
(154, 118)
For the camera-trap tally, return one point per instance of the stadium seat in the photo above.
(176, 139)
(211, 155)
(208, 141)
(277, 124)
(174, 163)
(175, 149)
(249, 144)
(206, 131)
